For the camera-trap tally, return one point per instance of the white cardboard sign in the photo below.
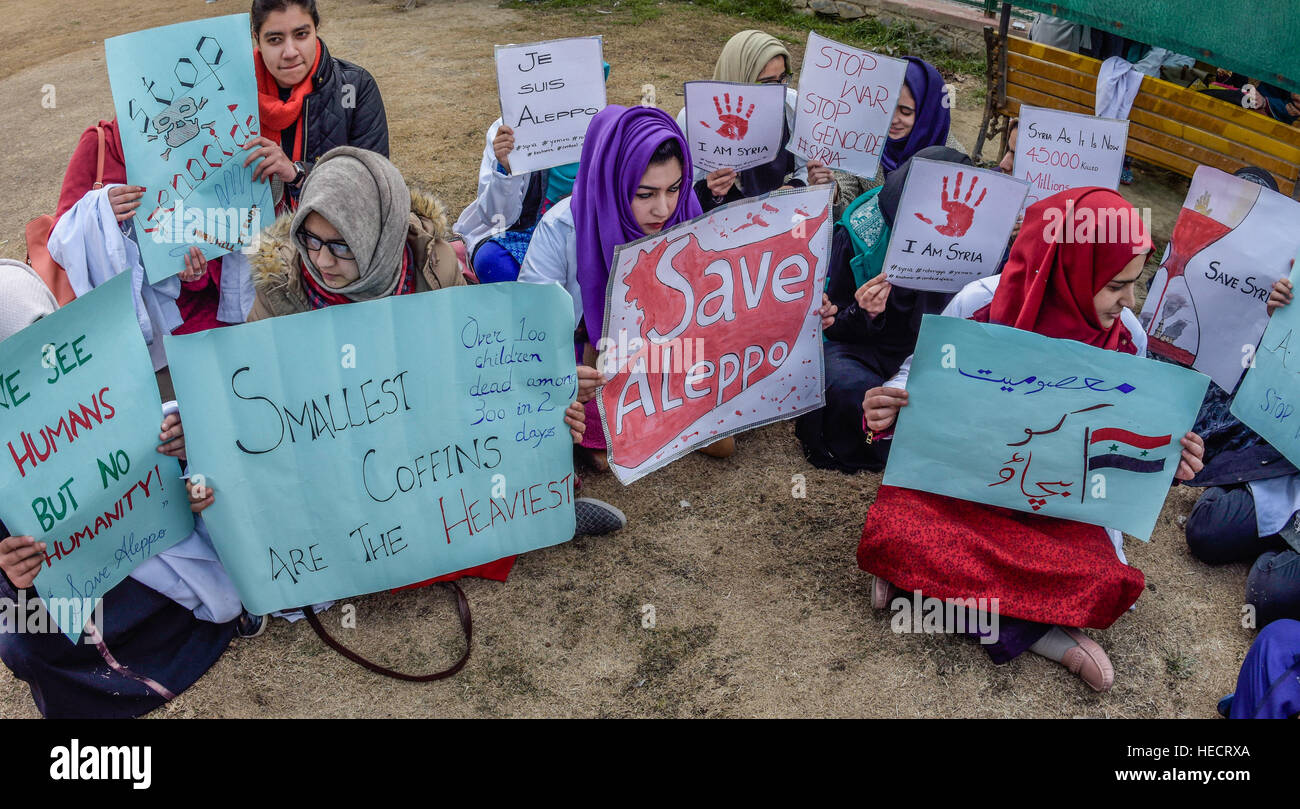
(549, 92)
(733, 125)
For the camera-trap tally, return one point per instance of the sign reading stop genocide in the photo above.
(846, 101)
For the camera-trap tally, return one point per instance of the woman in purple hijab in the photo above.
(921, 120)
(629, 186)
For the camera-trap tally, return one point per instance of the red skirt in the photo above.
(495, 571)
(1039, 568)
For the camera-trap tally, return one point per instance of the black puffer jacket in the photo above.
(343, 109)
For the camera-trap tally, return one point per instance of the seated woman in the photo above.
(499, 223)
(1268, 686)
(920, 119)
(645, 154)
(1049, 575)
(360, 233)
(755, 57)
(163, 627)
(875, 327)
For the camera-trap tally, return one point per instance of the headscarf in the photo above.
(932, 119)
(746, 54)
(1049, 282)
(24, 298)
(365, 198)
(276, 115)
(615, 155)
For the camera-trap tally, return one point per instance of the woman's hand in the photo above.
(1191, 463)
(589, 379)
(720, 181)
(576, 417)
(195, 265)
(873, 295)
(502, 145)
(1280, 296)
(200, 497)
(275, 163)
(171, 441)
(828, 312)
(881, 405)
(125, 199)
(818, 173)
(21, 559)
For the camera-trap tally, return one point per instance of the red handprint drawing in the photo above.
(732, 124)
(960, 214)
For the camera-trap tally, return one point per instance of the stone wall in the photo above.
(960, 25)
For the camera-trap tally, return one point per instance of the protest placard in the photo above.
(549, 92)
(1060, 150)
(733, 125)
(952, 226)
(712, 328)
(846, 102)
(186, 101)
(1270, 392)
(1056, 427)
(399, 439)
(81, 472)
(1207, 304)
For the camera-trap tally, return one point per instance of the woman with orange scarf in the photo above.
(308, 101)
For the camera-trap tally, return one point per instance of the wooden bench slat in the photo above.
(1235, 131)
(1167, 125)
(1083, 64)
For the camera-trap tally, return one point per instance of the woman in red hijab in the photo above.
(1048, 575)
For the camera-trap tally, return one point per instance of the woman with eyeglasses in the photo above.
(755, 57)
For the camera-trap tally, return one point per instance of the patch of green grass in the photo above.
(879, 36)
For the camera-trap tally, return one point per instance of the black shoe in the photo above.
(597, 517)
(248, 625)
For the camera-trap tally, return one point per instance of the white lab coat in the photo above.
(552, 256)
(500, 199)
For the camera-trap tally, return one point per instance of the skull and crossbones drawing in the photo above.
(179, 123)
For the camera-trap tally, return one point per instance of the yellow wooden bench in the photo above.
(1169, 126)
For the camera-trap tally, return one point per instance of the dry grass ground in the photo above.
(760, 609)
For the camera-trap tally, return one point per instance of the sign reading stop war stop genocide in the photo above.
(712, 328)
(549, 92)
(394, 441)
(846, 102)
(79, 466)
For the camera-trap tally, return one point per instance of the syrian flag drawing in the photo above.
(1114, 448)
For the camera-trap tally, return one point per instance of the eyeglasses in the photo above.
(313, 243)
(784, 78)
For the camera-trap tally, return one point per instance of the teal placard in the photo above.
(1011, 418)
(80, 470)
(186, 101)
(1269, 394)
(371, 445)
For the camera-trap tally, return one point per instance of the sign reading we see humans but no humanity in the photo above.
(846, 101)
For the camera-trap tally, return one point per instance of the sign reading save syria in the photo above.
(713, 327)
(399, 440)
(79, 468)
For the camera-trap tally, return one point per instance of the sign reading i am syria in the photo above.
(79, 468)
(396, 441)
(731, 125)
(712, 328)
(186, 102)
